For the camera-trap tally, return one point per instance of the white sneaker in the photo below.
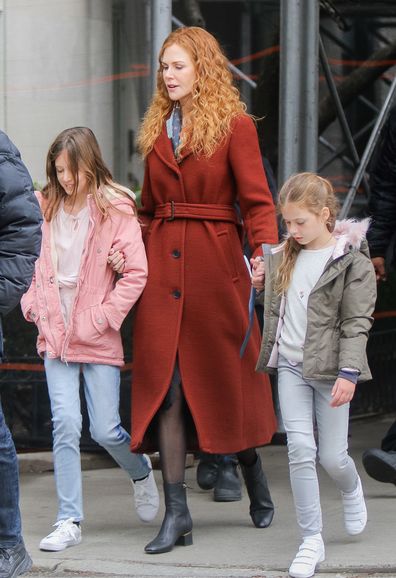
(146, 496)
(355, 511)
(66, 534)
(309, 554)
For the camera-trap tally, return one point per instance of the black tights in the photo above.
(172, 440)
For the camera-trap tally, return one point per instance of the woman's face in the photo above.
(66, 177)
(178, 72)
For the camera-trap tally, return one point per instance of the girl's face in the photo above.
(178, 72)
(307, 228)
(66, 177)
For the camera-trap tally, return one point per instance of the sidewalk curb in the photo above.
(41, 462)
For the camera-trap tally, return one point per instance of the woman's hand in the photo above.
(258, 273)
(116, 260)
(342, 392)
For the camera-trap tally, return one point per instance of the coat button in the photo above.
(43, 318)
(99, 250)
(176, 294)
(176, 254)
(100, 321)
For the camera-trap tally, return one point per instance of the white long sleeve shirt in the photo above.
(308, 268)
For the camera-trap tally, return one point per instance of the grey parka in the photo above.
(339, 310)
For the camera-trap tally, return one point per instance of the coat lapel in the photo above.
(163, 148)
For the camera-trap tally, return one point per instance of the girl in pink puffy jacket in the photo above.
(78, 305)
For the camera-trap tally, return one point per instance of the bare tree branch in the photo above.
(193, 13)
(356, 83)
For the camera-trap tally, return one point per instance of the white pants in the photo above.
(302, 403)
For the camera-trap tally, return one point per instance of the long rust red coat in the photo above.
(195, 304)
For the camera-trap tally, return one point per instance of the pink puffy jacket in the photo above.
(101, 303)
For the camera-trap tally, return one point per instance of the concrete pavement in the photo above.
(226, 544)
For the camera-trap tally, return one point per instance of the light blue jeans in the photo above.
(304, 402)
(102, 394)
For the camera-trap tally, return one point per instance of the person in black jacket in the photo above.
(382, 203)
(380, 464)
(20, 238)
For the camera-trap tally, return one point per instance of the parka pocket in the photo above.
(99, 319)
(90, 325)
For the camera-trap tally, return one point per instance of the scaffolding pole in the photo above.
(161, 26)
(298, 102)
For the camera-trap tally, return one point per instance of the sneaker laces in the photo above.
(4, 553)
(62, 528)
(141, 494)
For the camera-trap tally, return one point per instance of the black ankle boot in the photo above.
(207, 471)
(261, 505)
(228, 484)
(176, 527)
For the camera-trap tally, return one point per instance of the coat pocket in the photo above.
(227, 248)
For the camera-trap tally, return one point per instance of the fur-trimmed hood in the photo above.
(350, 234)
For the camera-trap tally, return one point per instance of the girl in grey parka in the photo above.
(320, 292)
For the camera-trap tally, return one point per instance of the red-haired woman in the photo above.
(190, 387)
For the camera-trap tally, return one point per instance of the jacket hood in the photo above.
(115, 196)
(351, 234)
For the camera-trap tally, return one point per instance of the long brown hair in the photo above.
(312, 192)
(84, 154)
(215, 100)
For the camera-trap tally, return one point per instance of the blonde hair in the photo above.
(215, 101)
(84, 154)
(313, 193)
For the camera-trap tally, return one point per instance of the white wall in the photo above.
(57, 73)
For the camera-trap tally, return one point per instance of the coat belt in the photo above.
(203, 212)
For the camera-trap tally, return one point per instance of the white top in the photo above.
(70, 232)
(308, 268)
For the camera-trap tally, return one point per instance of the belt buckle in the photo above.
(172, 217)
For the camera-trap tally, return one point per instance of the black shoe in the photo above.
(14, 561)
(228, 485)
(261, 505)
(380, 465)
(279, 439)
(176, 528)
(207, 471)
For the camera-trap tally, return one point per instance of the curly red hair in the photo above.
(215, 100)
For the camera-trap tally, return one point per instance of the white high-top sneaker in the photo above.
(310, 553)
(355, 511)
